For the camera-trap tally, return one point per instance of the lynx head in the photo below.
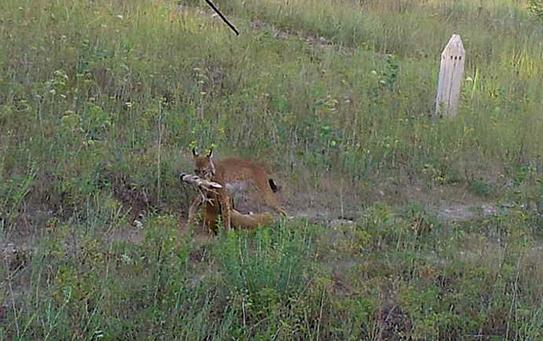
(203, 165)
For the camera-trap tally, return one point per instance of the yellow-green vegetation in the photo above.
(100, 102)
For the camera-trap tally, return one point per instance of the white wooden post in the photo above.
(450, 77)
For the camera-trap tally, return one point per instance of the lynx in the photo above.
(228, 172)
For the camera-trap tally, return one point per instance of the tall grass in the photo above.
(100, 102)
(86, 87)
(396, 273)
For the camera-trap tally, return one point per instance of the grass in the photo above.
(101, 101)
(394, 273)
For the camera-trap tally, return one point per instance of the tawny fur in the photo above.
(238, 220)
(209, 195)
(234, 169)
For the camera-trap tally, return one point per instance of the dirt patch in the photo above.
(450, 203)
(465, 212)
(313, 40)
(339, 203)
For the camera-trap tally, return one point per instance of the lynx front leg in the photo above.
(194, 208)
(226, 209)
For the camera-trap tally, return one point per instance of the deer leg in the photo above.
(194, 208)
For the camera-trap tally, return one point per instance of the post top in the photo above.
(454, 46)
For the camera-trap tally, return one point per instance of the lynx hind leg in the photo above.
(250, 221)
(263, 185)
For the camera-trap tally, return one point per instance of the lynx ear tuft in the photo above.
(210, 154)
(194, 152)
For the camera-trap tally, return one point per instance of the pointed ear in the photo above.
(210, 154)
(194, 152)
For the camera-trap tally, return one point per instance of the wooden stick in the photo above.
(222, 17)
